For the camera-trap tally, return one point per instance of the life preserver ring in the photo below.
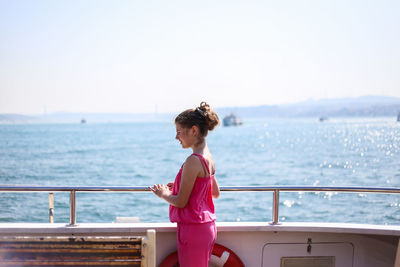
(221, 256)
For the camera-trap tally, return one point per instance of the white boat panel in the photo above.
(341, 253)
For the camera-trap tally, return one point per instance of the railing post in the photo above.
(51, 207)
(72, 208)
(275, 211)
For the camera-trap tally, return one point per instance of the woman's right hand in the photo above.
(161, 190)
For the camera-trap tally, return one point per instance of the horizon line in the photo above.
(216, 108)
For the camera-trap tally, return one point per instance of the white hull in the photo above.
(256, 243)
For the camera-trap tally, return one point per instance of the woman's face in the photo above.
(185, 136)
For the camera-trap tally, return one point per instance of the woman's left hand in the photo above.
(161, 190)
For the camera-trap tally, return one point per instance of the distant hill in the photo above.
(17, 118)
(77, 117)
(72, 117)
(365, 106)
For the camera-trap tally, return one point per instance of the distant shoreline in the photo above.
(366, 106)
(245, 119)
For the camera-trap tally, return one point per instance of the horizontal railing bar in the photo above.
(387, 190)
(74, 188)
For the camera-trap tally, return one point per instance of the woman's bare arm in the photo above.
(190, 172)
(215, 188)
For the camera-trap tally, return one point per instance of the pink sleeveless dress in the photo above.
(196, 231)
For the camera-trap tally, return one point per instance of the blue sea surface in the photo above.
(261, 152)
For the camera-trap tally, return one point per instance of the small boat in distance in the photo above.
(322, 119)
(83, 120)
(232, 120)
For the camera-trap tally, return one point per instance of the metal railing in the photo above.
(275, 189)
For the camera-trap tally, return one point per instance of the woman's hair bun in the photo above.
(210, 115)
(204, 117)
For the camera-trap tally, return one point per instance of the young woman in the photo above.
(191, 198)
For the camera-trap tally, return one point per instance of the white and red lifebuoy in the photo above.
(221, 256)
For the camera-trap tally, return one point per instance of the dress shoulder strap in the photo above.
(204, 164)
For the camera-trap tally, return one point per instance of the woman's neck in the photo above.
(200, 148)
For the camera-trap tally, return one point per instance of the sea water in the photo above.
(261, 152)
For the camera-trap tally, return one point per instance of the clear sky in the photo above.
(142, 56)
